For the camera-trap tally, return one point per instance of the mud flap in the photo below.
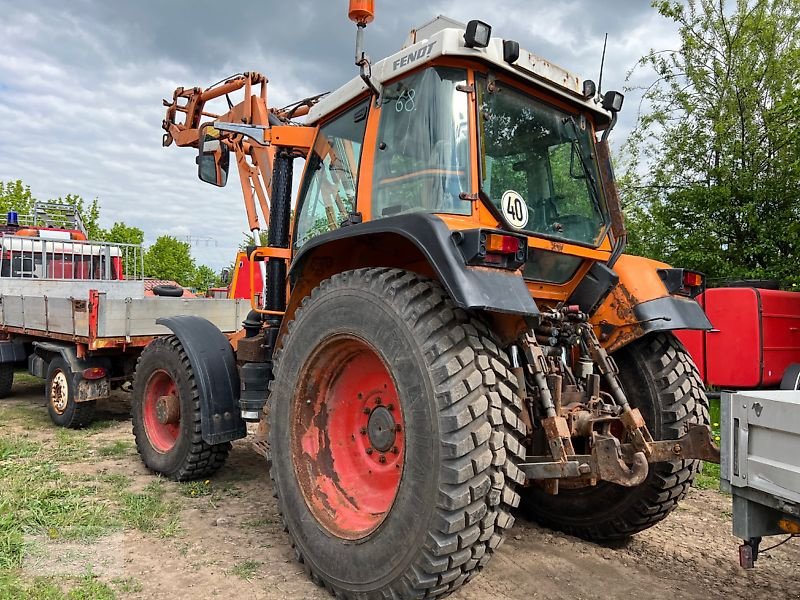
(214, 365)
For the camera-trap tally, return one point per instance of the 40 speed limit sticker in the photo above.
(515, 209)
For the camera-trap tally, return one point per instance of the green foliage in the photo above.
(204, 277)
(714, 176)
(124, 234)
(14, 195)
(169, 258)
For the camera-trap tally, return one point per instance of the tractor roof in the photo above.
(445, 37)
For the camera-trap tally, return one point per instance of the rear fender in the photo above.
(214, 365)
(418, 242)
(639, 303)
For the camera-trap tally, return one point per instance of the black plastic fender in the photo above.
(12, 351)
(214, 365)
(671, 313)
(476, 288)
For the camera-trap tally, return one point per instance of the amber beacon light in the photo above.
(362, 11)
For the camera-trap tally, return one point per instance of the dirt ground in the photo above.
(228, 541)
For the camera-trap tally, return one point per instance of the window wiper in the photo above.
(587, 171)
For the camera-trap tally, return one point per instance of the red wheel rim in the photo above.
(348, 437)
(162, 430)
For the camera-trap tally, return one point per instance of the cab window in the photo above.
(422, 156)
(328, 194)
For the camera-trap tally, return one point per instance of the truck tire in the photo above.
(60, 390)
(660, 378)
(6, 379)
(395, 437)
(166, 415)
(168, 291)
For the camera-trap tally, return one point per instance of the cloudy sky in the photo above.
(81, 84)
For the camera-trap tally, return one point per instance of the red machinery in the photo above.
(755, 342)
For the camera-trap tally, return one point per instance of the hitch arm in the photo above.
(609, 459)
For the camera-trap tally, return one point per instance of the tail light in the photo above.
(94, 373)
(481, 247)
(683, 281)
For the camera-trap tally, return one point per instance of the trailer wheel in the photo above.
(166, 415)
(6, 378)
(60, 390)
(395, 437)
(660, 378)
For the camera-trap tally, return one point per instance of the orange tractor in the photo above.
(447, 326)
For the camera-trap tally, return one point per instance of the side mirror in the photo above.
(225, 276)
(213, 159)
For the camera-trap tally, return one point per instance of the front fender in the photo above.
(640, 303)
(214, 366)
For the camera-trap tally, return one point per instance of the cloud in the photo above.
(81, 85)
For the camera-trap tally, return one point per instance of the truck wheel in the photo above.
(166, 415)
(60, 390)
(659, 378)
(394, 437)
(6, 379)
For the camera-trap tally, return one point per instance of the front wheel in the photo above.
(394, 437)
(661, 380)
(166, 415)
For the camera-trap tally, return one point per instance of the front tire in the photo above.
(60, 390)
(424, 511)
(660, 378)
(166, 415)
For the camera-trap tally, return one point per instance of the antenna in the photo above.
(602, 64)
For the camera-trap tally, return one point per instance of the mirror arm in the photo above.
(610, 127)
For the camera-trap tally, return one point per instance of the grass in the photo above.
(36, 498)
(115, 449)
(127, 585)
(196, 489)
(246, 569)
(145, 510)
(15, 586)
(71, 445)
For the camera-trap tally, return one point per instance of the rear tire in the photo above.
(174, 448)
(660, 378)
(60, 390)
(6, 379)
(434, 520)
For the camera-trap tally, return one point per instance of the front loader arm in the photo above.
(245, 129)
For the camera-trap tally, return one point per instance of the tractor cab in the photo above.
(479, 132)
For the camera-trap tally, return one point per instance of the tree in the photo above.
(204, 278)
(124, 234)
(90, 215)
(714, 180)
(168, 258)
(14, 195)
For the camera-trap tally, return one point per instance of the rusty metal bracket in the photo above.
(610, 460)
(695, 444)
(610, 466)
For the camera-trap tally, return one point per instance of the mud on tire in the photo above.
(180, 452)
(660, 378)
(460, 410)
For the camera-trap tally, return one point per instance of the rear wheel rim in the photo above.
(59, 392)
(348, 437)
(161, 388)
